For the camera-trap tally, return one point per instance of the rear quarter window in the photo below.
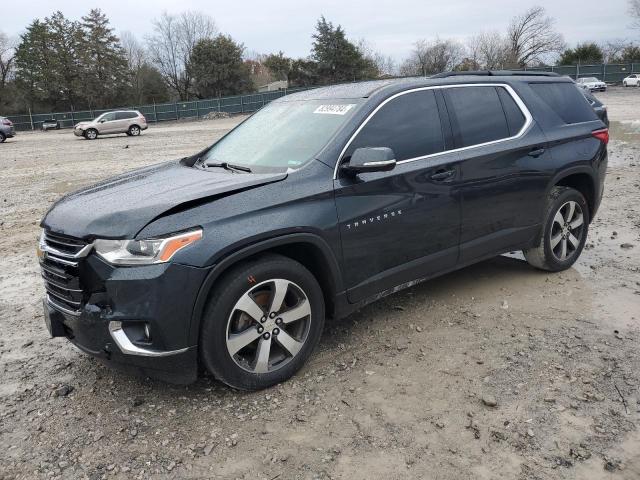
(566, 101)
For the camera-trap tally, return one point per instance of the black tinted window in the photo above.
(479, 114)
(408, 124)
(566, 101)
(515, 117)
(125, 115)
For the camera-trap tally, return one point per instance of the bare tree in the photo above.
(383, 63)
(612, 49)
(493, 49)
(7, 56)
(136, 60)
(429, 57)
(532, 36)
(634, 12)
(172, 43)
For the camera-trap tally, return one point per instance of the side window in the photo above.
(479, 114)
(108, 117)
(125, 115)
(515, 117)
(409, 125)
(566, 101)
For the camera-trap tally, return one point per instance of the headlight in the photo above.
(144, 252)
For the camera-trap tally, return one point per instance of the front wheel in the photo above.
(262, 322)
(91, 134)
(566, 224)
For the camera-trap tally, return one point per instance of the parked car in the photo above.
(321, 202)
(593, 84)
(50, 124)
(597, 105)
(7, 130)
(130, 122)
(632, 80)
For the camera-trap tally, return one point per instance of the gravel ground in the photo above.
(497, 371)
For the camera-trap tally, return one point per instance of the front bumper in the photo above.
(120, 302)
(78, 132)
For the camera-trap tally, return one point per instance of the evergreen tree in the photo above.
(217, 68)
(103, 62)
(583, 53)
(338, 59)
(279, 65)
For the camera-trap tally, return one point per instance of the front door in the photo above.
(401, 225)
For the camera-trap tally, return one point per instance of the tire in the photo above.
(3, 137)
(91, 134)
(233, 343)
(565, 230)
(134, 131)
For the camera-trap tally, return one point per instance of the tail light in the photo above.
(6, 121)
(602, 135)
(142, 118)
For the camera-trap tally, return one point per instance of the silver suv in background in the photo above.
(6, 129)
(130, 122)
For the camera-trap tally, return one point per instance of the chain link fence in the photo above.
(159, 112)
(610, 73)
(607, 72)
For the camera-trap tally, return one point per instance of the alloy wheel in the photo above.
(567, 230)
(268, 326)
(135, 131)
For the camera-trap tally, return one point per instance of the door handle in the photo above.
(442, 175)
(536, 152)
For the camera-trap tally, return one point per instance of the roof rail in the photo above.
(496, 73)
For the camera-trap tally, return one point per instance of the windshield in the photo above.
(590, 79)
(282, 135)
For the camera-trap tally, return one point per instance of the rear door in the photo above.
(123, 119)
(505, 168)
(400, 225)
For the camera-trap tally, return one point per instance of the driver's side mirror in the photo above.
(370, 159)
(102, 120)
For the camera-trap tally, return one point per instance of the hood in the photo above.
(82, 124)
(120, 207)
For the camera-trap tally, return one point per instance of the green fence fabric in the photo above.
(160, 112)
(610, 73)
(607, 72)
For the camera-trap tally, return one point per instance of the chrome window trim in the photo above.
(516, 98)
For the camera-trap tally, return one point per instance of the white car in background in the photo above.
(632, 80)
(592, 83)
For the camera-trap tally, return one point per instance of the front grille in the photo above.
(60, 262)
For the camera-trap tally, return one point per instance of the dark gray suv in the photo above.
(7, 129)
(321, 202)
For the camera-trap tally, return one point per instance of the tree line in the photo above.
(63, 64)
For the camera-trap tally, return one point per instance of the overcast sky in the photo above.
(391, 26)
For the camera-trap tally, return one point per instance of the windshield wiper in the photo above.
(227, 166)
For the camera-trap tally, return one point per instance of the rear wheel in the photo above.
(3, 137)
(133, 131)
(91, 134)
(263, 320)
(564, 232)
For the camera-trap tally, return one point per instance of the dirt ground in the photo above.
(398, 390)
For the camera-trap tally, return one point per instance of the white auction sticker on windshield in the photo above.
(334, 109)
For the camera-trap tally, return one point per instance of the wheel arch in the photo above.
(580, 179)
(308, 249)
